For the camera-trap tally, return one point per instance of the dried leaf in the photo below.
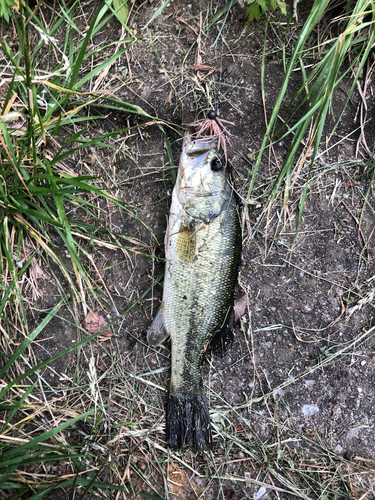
(36, 272)
(92, 158)
(106, 335)
(91, 322)
(95, 322)
(240, 308)
(309, 432)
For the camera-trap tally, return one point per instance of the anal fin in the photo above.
(157, 333)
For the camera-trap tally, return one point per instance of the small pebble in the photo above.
(260, 493)
(201, 481)
(338, 449)
(309, 410)
(247, 476)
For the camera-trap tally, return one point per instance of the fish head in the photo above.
(202, 184)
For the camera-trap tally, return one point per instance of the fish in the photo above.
(203, 248)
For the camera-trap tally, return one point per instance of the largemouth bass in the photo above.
(202, 246)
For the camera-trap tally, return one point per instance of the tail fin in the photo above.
(188, 421)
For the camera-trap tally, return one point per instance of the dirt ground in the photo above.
(297, 384)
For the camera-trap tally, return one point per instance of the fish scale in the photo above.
(200, 290)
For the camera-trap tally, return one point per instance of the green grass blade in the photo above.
(16, 407)
(170, 155)
(78, 62)
(32, 336)
(157, 12)
(369, 190)
(100, 67)
(45, 435)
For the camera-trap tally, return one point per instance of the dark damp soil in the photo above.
(301, 368)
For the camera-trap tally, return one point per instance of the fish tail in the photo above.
(188, 421)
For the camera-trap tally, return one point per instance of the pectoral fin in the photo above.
(157, 333)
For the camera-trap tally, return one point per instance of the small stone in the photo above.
(247, 476)
(309, 410)
(337, 411)
(338, 449)
(260, 493)
(353, 433)
(309, 383)
(201, 481)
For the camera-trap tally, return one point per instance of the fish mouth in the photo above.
(194, 147)
(191, 192)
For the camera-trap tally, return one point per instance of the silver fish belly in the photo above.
(203, 245)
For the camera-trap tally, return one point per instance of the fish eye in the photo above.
(216, 165)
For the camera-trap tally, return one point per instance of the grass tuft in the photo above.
(344, 54)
